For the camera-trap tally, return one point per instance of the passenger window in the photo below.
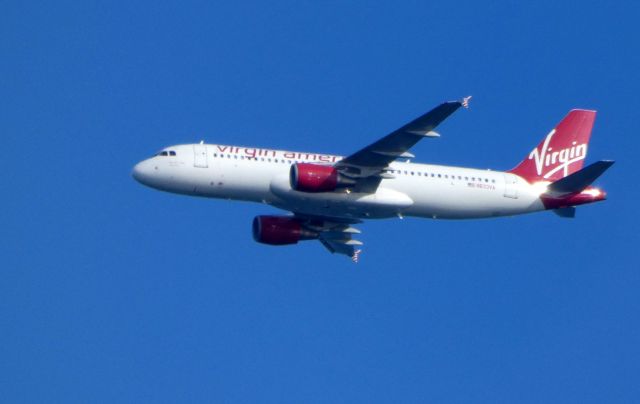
(413, 173)
(439, 175)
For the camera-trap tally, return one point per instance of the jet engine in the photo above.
(306, 177)
(280, 230)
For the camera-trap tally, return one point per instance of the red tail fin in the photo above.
(562, 152)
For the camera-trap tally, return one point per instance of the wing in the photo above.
(336, 234)
(368, 165)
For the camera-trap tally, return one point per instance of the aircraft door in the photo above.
(510, 186)
(200, 155)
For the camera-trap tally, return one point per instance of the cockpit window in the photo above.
(172, 153)
(163, 153)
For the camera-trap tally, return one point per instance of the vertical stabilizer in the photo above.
(562, 151)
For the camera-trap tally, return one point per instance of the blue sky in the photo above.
(112, 292)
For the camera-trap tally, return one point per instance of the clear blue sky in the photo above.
(112, 292)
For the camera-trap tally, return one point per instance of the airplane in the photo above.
(327, 195)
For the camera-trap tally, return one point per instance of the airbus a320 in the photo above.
(328, 195)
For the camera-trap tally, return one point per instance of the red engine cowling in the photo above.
(280, 230)
(307, 177)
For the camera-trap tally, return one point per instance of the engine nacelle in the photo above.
(280, 230)
(306, 177)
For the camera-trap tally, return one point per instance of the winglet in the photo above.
(356, 256)
(465, 102)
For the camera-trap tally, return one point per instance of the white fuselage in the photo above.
(262, 175)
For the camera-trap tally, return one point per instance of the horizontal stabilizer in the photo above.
(569, 212)
(576, 182)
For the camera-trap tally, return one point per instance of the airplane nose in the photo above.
(139, 172)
